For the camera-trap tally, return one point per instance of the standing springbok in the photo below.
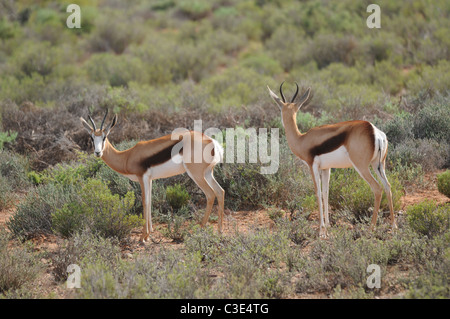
(341, 145)
(159, 158)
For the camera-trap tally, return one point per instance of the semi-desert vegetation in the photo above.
(163, 64)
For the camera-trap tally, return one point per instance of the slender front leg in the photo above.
(145, 230)
(317, 186)
(325, 180)
(149, 203)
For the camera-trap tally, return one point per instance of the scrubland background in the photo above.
(162, 64)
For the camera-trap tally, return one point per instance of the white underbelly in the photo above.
(338, 158)
(167, 169)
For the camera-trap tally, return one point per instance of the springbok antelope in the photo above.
(341, 145)
(149, 160)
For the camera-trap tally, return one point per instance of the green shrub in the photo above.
(108, 35)
(235, 87)
(398, 129)
(116, 70)
(443, 183)
(205, 242)
(33, 216)
(433, 285)
(328, 48)
(344, 260)
(428, 219)
(176, 228)
(433, 122)
(284, 46)
(349, 192)
(19, 266)
(83, 249)
(386, 77)
(164, 274)
(430, 77)
(299, 229)
(177, 196)
(104, 213)
(428, 153)
(7, 137)
(306, 121)
(6, 196)
(262, 64)
(14, 168)
(195, 9)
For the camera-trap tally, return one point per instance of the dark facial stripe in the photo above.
(162, 156)
(329, 145)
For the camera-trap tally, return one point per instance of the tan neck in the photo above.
(293, 135)
(114, 158)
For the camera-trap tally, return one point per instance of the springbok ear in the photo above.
(276, 98)
(113, 123)
(304, 99)
(86, 125)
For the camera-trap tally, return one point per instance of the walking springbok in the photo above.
(341, 145)
(161, 158)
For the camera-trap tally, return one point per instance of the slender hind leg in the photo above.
(146, 228)
(315, 173)
(379, 168)
(218, 191)
(325, 180)
(364, 172)
(197, 173)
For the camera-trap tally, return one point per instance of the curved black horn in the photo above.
(295, 95)
(92, 121)
(281, 93)
(104, 118)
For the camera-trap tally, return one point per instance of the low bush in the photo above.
(433, 121)
(7, 137)
(428, 219)
(14, 168)
(19, 266)
(109, 36)
(349, 192)
(99, 210)
(165, 274)
(177, 196)
(6, 195)
(443, 183)
(177, 230)
(342, 260)
(428, 153)
(33, 216)
(83, 249)
(299, 229)
(398, 129)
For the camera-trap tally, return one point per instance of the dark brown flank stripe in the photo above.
(329, 145)
(162, 156)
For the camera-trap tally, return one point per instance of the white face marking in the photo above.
(99, 144)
